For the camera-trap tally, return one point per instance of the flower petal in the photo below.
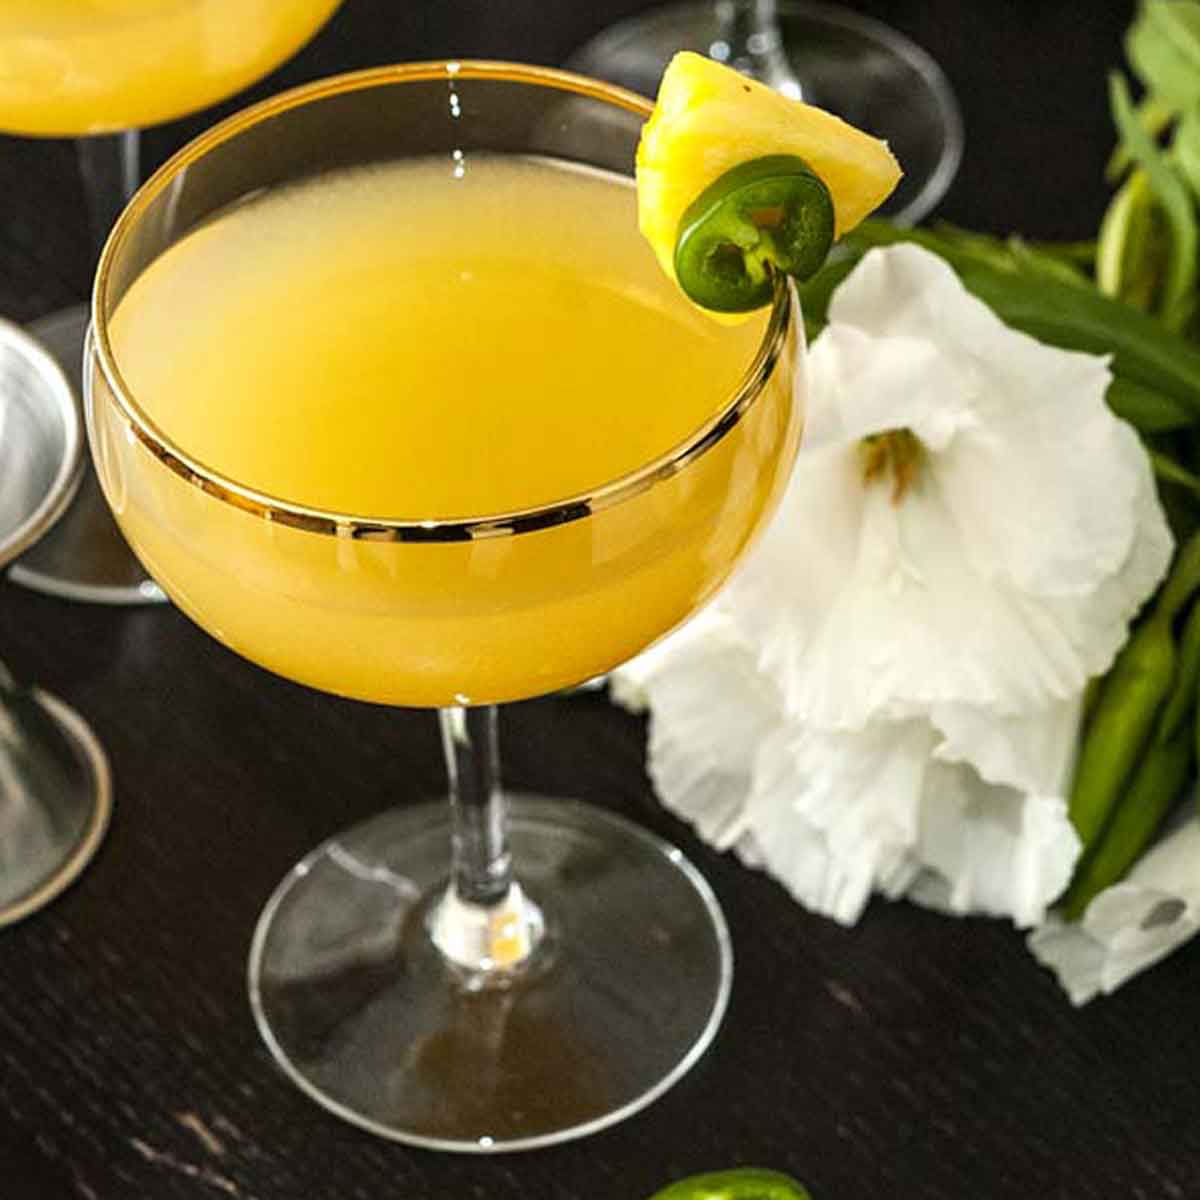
(1006, 576)
(834, 816)
(991, 849)
(1033, 752)
(1131, 925)
(709, 710)
(859, 385)
(1018, 427)
(864, 610)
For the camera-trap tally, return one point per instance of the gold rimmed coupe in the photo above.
(401, 528)
(420, 290)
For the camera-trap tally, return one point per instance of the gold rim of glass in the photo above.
(411, 529)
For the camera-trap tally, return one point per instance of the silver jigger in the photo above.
(55, 787)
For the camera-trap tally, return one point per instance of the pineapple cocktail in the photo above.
(432, 340)
(391, 396)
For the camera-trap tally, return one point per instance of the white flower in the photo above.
(886, 697)
(1131, 925)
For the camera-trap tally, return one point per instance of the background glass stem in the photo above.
(750, 42)
(109, 165)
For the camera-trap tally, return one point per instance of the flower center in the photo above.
(896, 453)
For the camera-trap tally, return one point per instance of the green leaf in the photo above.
(1178, 298)
(1147, 410)
(1169, 471)
(1163, 45)
(1081, 255)
(1185, 147)
(1180, 21)
(1154, 115)
(1034, 260)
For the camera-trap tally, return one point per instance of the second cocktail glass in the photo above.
(464, 444)
(100, 73)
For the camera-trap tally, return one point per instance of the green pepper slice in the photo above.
(742, 1183)
(771, 213)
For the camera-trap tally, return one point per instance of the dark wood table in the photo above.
(913, 1056)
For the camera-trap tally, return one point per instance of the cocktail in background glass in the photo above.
(98, 71)
(390, 396)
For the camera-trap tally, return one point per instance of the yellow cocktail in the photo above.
(390, 396)
(74, 67)
(438, 340)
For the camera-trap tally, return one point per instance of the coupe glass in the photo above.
(98, 73)
(861, 69)
(498, 972)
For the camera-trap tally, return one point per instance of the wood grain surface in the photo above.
(913, 1056)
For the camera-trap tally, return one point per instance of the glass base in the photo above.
(56, 802)
(622, 996)
(83, 555)
(864, 71)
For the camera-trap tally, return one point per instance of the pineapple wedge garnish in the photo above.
(709, 119)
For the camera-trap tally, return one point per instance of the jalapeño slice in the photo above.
(771, 213)
(741, 1183)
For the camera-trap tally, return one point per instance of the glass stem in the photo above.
(751, 43)
(482, 866)
(110, 168)
(483, 922)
